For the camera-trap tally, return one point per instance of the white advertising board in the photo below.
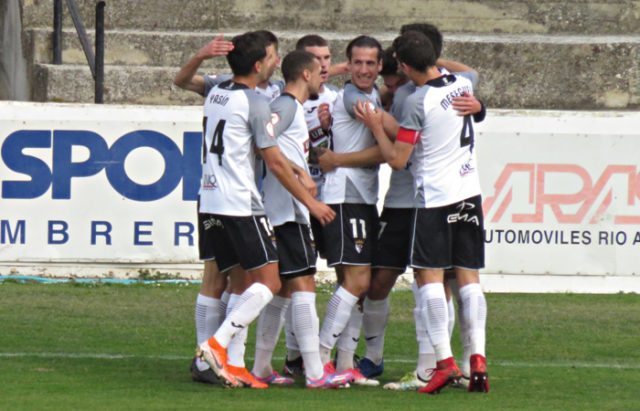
(561, 192)
(118, 184)
(99, 183)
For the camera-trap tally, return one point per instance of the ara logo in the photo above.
(526, 193)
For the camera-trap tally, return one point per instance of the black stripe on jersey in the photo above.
(288, 94)
(442, 81)
(232, 85)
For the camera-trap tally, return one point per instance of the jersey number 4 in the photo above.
(217, 144)
(466, 136)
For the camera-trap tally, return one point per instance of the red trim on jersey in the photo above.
(408, 136)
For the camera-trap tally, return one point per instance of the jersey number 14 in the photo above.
(217, 144)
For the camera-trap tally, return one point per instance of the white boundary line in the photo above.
(104, 356)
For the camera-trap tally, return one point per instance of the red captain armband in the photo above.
(408, 136)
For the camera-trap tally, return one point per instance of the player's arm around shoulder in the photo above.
(468, 104)
(304, 178)
(329, 160)
(280, 167)
(397, 153)
(454, 66)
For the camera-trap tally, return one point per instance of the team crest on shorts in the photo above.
(359, 245)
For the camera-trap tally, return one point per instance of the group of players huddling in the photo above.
(290, 170)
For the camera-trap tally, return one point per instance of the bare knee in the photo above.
(382, 281)
(357, 279)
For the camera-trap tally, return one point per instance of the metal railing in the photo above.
(95, 60)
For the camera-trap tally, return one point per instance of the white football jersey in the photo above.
(213, 80)
(271, 92)
(318, 137)
(401, 193)
(235, 118)
(273, 89)
(290, 129)
(444, 158)
(357, 185)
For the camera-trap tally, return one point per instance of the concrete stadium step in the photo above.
(143, 48)
(516, 71)
(481, 16)
(122, 85)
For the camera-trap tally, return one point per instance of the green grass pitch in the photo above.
(78, 346)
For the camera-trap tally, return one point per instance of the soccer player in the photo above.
(297, 257)
(448, 224)
(214, 301)
(391, 257)
(317, 111)
(236, 119)
(388, 260)
(352, 193)
(211, 302)
(465, 105)
(391, 77)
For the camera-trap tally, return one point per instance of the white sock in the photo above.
(335, 320)
(426, 354)
(268, 328)
(208, 318)
(463, 327)
(451, 313)
(374, 323)
(225, 300)
(293, 350)
(250, 303)
(465, 338)
(306, 327)
(236, 347)
(434, 308)
(475, 314)
(424, 344)
(348, 341)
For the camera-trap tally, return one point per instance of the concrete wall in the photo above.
(477, 16)
(568, 55)
(13, 66)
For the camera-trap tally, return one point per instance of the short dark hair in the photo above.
(429, 30)
(295, 63)
(269, 36)
(248, 48)
(389, 62)
(311, 40)
(364, 42)
(416, 51)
